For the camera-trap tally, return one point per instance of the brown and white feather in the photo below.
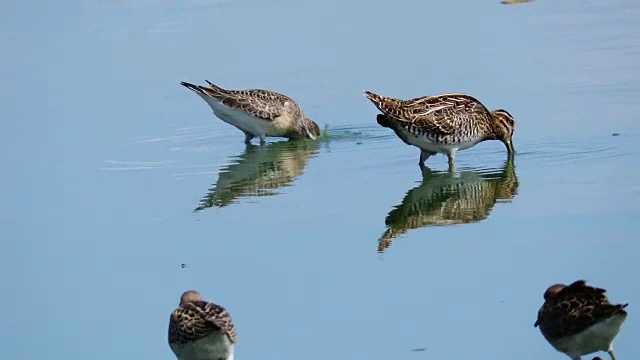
(264, 104)
(194, 320)
(440, 114)
(258, 113)
(201, 330)
(579, 319)
(443, 123)
(575, 308)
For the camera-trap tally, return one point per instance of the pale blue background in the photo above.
(105, 156)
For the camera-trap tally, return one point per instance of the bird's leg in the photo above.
(424, 155)
(426, 171)
(452, 169)
(452, 156)
(262, 139)
(248, 137)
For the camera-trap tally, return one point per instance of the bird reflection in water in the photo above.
(259, 171)
(446, 199)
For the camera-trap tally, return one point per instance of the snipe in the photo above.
(443, 123)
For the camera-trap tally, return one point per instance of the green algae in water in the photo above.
(325, 133)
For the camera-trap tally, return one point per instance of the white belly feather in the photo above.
(246, 122)
(214, 346)
(427, 144)
(596, 338)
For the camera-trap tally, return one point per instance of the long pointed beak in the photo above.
(311, 135)
(509, 145)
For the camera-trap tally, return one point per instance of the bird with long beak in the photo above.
(443, 123)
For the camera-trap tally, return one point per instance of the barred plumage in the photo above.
(201, 330)
(443, 123)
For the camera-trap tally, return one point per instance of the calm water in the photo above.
(115, 176)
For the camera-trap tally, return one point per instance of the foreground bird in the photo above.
(258, 113)
(443, 123)
(579, 319)
(200, 330)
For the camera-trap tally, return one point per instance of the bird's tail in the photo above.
(216, 88)
(381, 103)
(193, 87)
(377, 100)
(212, 90)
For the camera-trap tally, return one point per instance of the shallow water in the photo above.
(116, 176)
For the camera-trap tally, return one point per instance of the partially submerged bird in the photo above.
(579, 319)
(201, 330)
(443, 123)
(258, 113)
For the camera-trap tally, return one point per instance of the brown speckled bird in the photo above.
(201, 330)
(579, 319)
(443, 123)
(257, 113)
